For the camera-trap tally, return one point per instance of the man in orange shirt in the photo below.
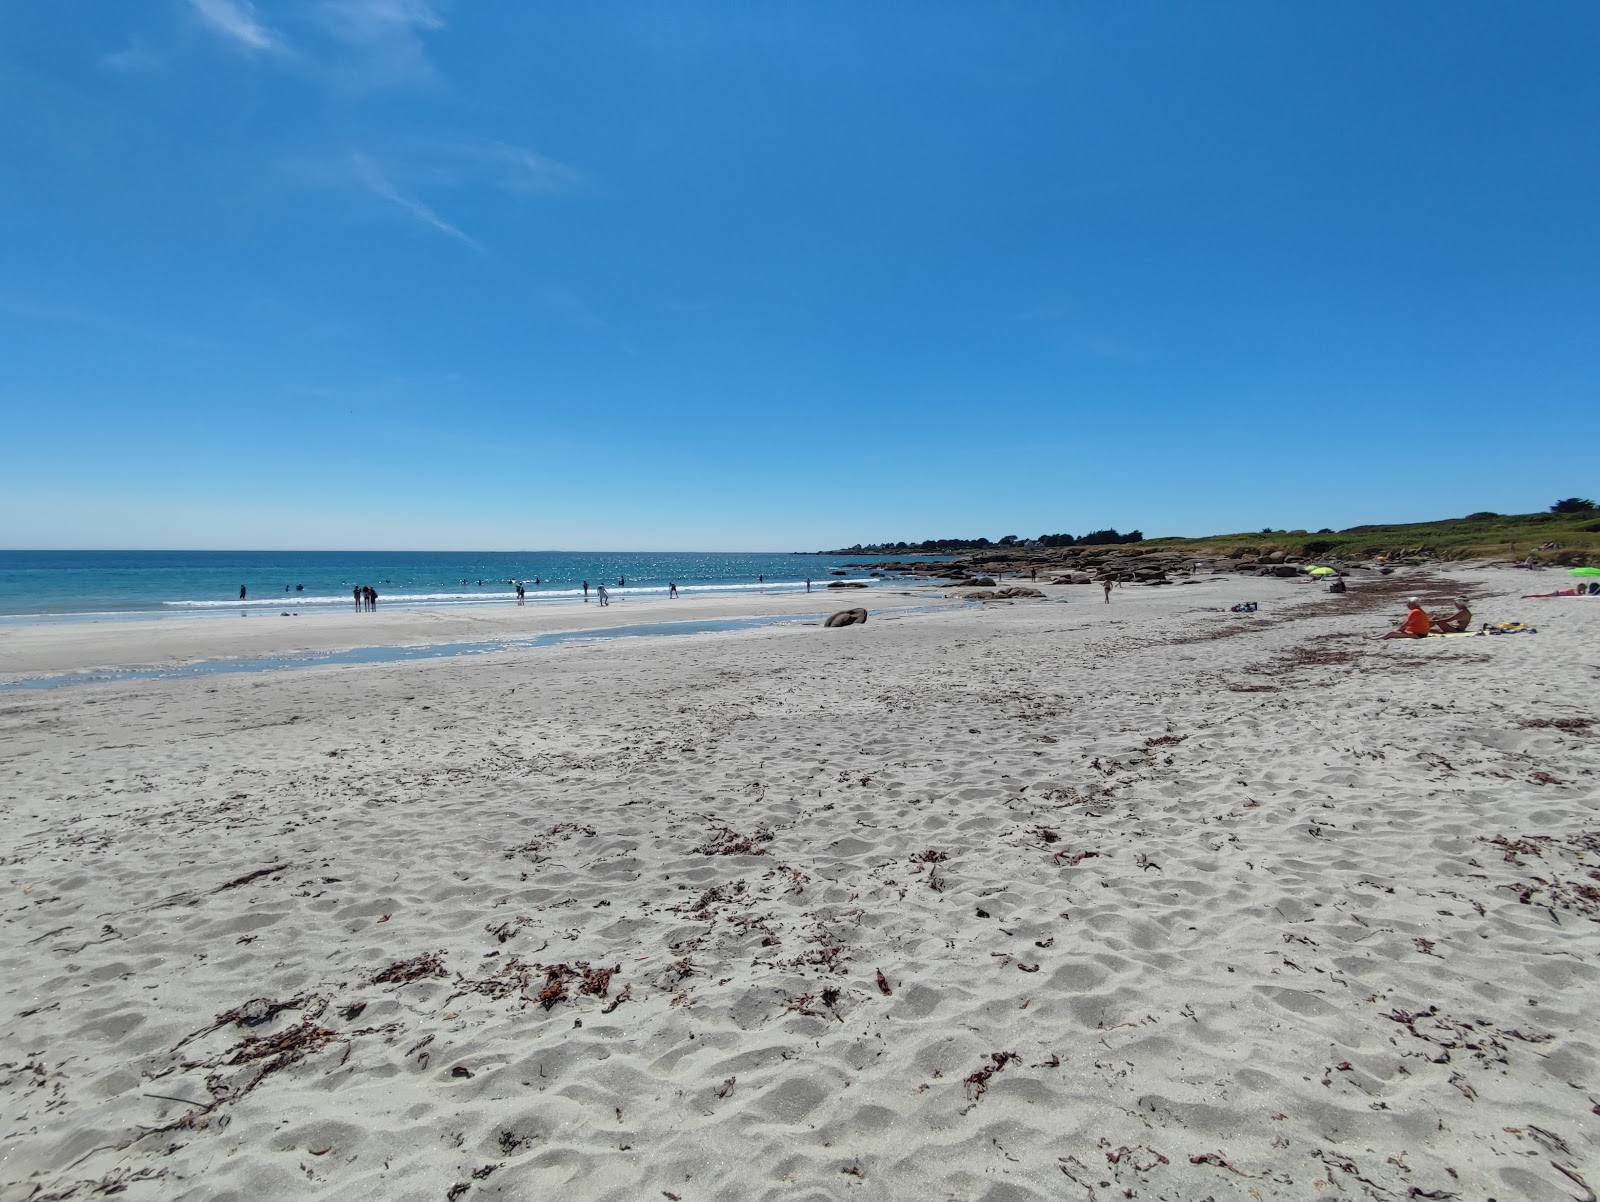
(1416, 625)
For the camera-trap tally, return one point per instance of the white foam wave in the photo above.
(534, 594)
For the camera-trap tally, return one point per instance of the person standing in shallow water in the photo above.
(242, 591)
(672, 588)
(586, 592)
(520, 592)
(356, 593)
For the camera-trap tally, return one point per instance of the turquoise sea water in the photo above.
(63, 584)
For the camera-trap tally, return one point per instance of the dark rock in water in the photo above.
(836, 571)
(847, 617)
(847, 584)
(976, 582)
(1284, 569)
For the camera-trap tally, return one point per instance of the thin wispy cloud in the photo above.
(385, 38)
(236, 20)
(135, 57)
(522, 171)
(380, 185)
(460, 161)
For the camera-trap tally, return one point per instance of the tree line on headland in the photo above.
(1569, 531)
(944, 546)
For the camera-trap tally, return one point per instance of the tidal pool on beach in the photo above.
(387, 655)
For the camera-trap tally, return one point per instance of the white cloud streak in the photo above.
(380, 185)
(385, 38)
(236, 19)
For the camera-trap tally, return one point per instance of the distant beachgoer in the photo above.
(1338, 585)
(761, 578)
(241, 592)
(1416, 625)
(1563, 592)
(1033, 573)
(299, 588)
(585, 592)
(622, 582)
(672, 589)
(808, 584)
(536, 580)
(1456, 622)
(286, 588)
(520, 591)
(1107, 584)
(356, 593)
(605, 597)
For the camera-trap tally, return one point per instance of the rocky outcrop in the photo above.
(847, 584)
(847, 617)
(1015, 592)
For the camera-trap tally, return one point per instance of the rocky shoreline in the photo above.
(1097, 564)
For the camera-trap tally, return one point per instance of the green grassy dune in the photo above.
(1478, 536)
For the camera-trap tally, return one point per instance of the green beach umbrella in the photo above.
(1320, 571)
(1583, 571)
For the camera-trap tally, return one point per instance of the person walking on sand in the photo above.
(586, 592)
(672, 588)
(520, 592)
(1107, 584)
(600, 591)
(1416, 624)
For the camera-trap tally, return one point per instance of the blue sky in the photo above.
(404, 274)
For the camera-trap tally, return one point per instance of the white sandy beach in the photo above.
(1023, 901)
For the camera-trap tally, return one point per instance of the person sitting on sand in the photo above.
(1456, 622)
(1416, 624)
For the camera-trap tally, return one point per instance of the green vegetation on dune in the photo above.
(1574, 530)
(1567, 534)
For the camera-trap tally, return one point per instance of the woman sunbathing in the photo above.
(1456, 622)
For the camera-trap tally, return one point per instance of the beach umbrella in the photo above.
(1321, 571)
(1583, 571)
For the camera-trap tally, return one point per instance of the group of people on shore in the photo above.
(366, 598)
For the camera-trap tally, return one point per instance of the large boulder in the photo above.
(847, 617)
(847, 584)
